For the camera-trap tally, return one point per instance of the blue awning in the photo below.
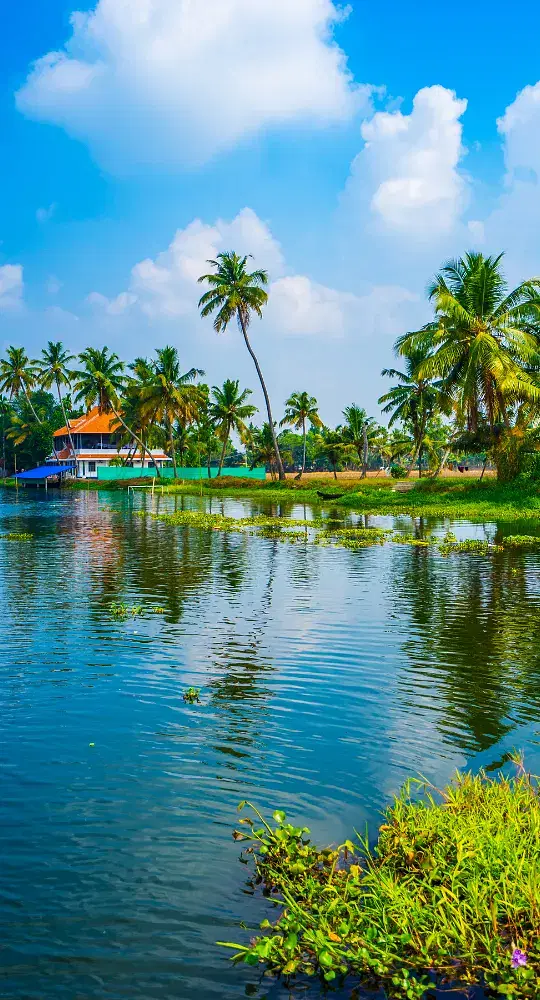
(45, 471)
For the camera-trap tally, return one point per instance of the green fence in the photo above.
(116, 472)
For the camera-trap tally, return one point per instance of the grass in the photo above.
(449, 894)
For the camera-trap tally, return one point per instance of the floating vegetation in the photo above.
(329, 531)
(192, 696)
(530, 542)
(18, 536)
(123, 611)
(449, 896)
(476, 546)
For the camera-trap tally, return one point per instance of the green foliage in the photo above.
(192, 696)
(18, 536)
(123, 611)
(398, 471)
(449, 892)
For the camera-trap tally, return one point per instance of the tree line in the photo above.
(468, 382)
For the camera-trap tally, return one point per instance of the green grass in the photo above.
(449, 891)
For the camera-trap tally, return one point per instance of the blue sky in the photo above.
(351, 154)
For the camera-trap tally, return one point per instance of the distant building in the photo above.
(95, 444)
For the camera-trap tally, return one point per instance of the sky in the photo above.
(351, 150)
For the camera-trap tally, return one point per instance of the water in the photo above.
(327, 677)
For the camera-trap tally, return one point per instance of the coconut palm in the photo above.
(482, 341)
(301, 408)
(414, 399)
(53, 369)
(100, 382)
(334, 448)
(18, 375)
(169, 394)
(357, 432)
(259, 442)
(229, 411)
(235, 293)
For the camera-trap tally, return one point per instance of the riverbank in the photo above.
(455, 497)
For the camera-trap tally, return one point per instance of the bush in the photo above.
(450, 895)
(398, 472)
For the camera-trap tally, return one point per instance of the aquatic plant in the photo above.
(410, 540)
(449, 895)
(531, 542)
(18, 536)
(476, 546)
(121, 610)
(192, 696)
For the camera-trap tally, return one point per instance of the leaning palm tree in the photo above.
(169, 394)
(414, 399)
(301, 408)
(53, 369)
(100, 382)
(234, 292)
(229, 412)
(357, 432)
(18, 376)
(483, 341)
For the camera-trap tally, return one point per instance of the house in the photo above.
(97, 445)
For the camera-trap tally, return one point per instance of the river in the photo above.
(327, 676)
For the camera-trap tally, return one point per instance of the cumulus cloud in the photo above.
(408, 170)
(180, 80)
(514, 223)
(11, 286)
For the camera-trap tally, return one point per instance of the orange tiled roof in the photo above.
(93, 422)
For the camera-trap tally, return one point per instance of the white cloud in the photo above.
(45, 214)
(409, 166)
(11, 286)
(179, 80)
(520, 126)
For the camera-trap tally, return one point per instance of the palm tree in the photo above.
(259, 443)
(169, 394)
(18, 375)
(482, 340)
(229, 411)
(301, 408)
(100, 382)
(236, 293)
(414, 399)
(334, 448)
(356, 431)
(53, 370)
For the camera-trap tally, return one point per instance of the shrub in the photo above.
(450, 894)
(398, 472)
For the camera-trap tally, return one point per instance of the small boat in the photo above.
(329, 496)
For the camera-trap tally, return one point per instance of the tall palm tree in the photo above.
(18, 375)
(357, 431)
(482, 340)
(229, 411)
(414, 399)
(301, 408)
(234, 292)
(100, 382)
(170, 394)
(260, 446)
(53, 369)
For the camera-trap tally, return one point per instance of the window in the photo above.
(91, 466)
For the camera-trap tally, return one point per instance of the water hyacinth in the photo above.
(453, 877)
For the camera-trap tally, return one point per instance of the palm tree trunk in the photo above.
(209, 462)
(173, 449)
(304, 446)
(483, 470)
(144, 449)
(222, 456)
(66, 421)
(279, 463)
(365, 453)
(443, 460)
(29, 401)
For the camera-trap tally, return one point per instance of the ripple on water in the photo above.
(327, 676)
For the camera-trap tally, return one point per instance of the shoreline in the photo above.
(446, 497)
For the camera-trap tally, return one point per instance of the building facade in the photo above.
(95, 444)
